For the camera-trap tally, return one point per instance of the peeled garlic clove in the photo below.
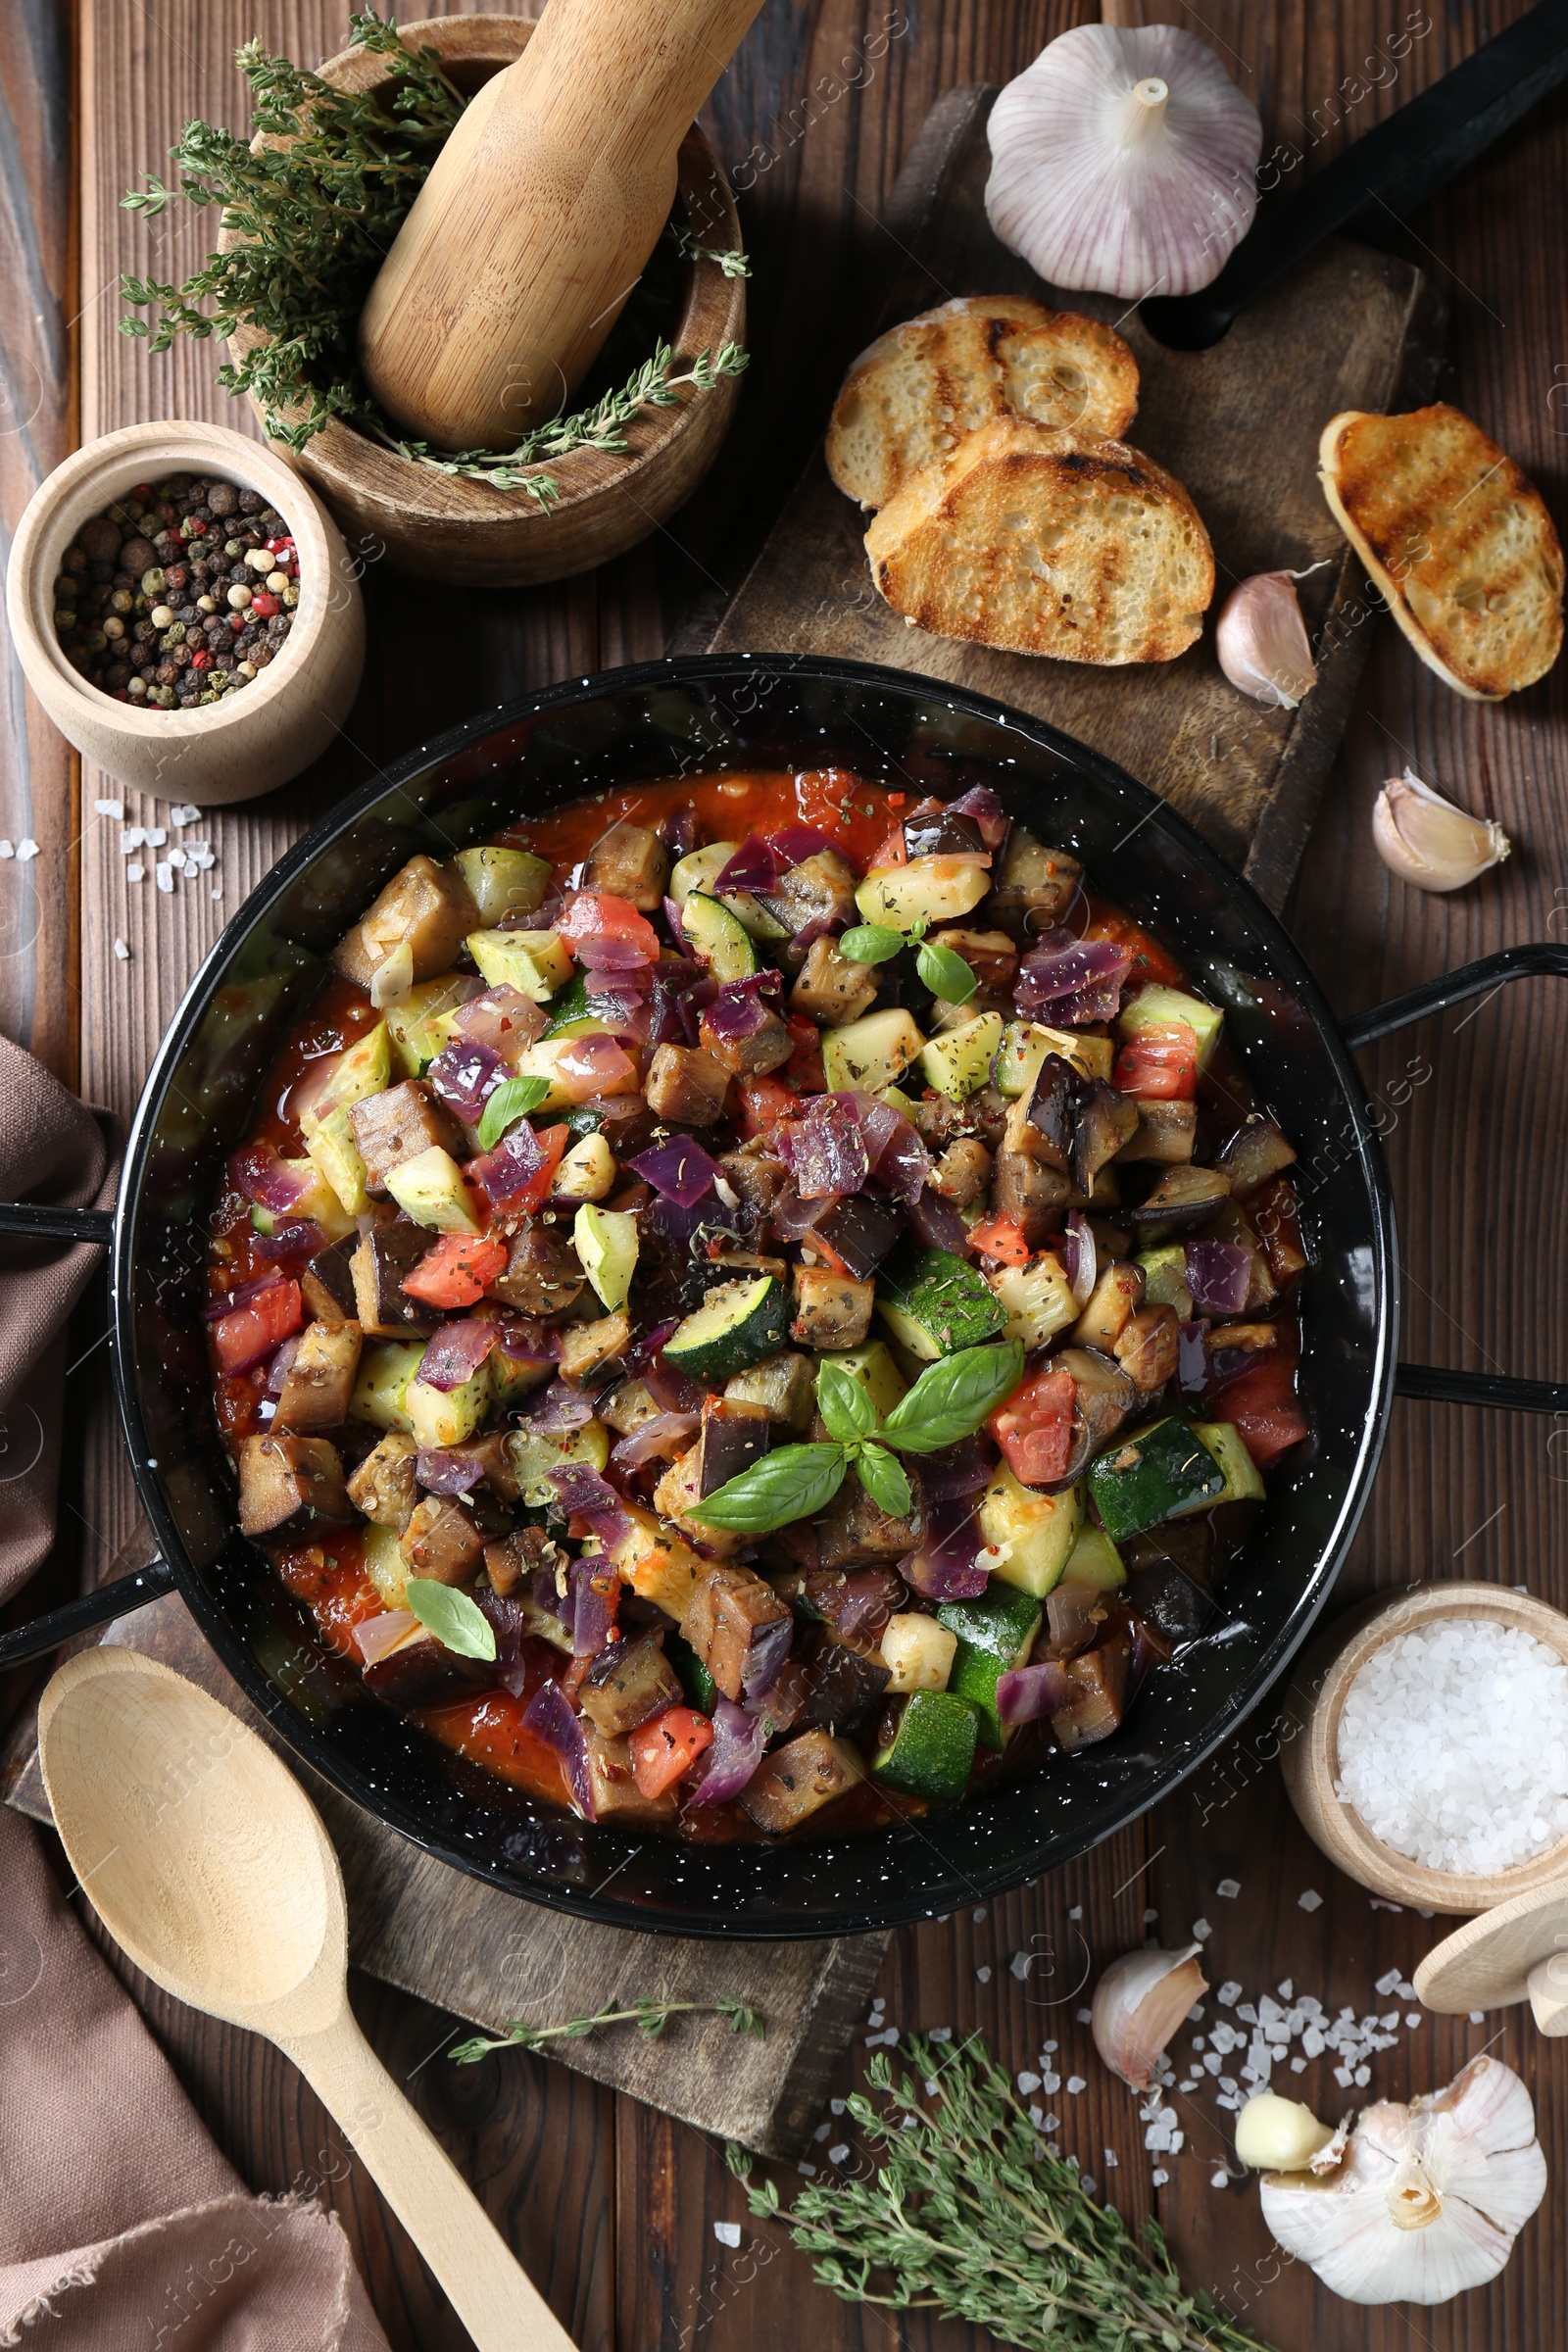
(1262, 643)
(1279, 2136)
(1138, 2003)
(1426, 840)
(1425, 2200)
(1123, 162)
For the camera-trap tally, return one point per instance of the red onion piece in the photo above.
(936, 1224)
(792, 1217)
(292, 1243)
(658, 1439)
(375, 1636)
(226, 1300)
(1063, 978)
(680, 1169)
(1217, 1274)
(443, 1470)
(510, 1167)
(825, 1153)
(678, 832)
(278, 1368)
(863, 1603)
(672, 918)
(692, 1001)
(502, 1018)
(596, 1065)
(560, 1408)
(624, 1010)
(531, 1342)
(672, 1389)
(583, 1495)
(946, 1566)
(505, 1620)
(455, 1353)
(736, 1013)
(617, 956)
(739, 1740)
(1081, 1259)
(956, 1471)
(764, 1658)
(550, 1717)
(1025, 1693)
(899, 1158)
(753, 868)
(794, 844)
(641, 1352)
(266, 1177)
(465, 1076)
(594, 1588)
(982, 803)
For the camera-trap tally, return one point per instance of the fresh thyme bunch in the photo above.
(969, 2215)
(314, 211)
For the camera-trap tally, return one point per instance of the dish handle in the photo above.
(1480, 979)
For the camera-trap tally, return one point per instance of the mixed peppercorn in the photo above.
(178, 594)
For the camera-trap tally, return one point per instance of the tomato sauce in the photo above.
(853, 813)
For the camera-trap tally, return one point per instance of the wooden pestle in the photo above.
(539, 216)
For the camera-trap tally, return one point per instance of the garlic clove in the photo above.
(1279, 2136)
(1426, 841)
(1138, 2003)
(1262, 644)
(1124, 161)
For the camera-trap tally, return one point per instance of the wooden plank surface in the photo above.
(611, 2205)
(1233, 425)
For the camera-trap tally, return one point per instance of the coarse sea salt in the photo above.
(1454, 1745)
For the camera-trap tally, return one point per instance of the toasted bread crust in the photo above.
(1063, 544)
(1457, 539)
(920, 388)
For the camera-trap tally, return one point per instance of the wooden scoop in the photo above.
(207, 1863)
(1516, 1952)
(539, 216)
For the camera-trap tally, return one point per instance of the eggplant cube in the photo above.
(626, 1684)
(853, 1529)
(396, 1126)
(677, 1491)
(727, 1612)
(320, 1379)
(383, 1257)
(767, 1047)
(735, 1434)
(426, 908)
(327, 1283)
(831, 989)
(629, 863)
(799, 1779)
(288, 1486)
(831, 1310)
(686, 1086)
(382, 1488)
(442, 1542)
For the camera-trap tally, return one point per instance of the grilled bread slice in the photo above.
(1457, 539)
(1041, 542)
(921, 387)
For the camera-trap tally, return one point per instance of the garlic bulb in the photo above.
(1262, 644)
(1123, 162)
(1426, 840)
(1426, 2200)
(1279, 2136)
(1138, 2003)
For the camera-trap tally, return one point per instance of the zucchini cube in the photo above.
(1161, 1472)
(932, 1752)
(1036, 1533)
(996, 1632)
(935, 1304)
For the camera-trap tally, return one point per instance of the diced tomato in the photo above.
(458, 1270)
(1265, 1407)
(553, 1141)
(1000, 1238)
(1034, 1426)
(243, 1337)
(1150, 959)
(599, 914)
(765, 1101)
(803, 1068)
(574, 1675)
(666, 1747)
(892, 852)
(1160, 1062)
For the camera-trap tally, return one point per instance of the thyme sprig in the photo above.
(312, 211)
(971, 2214)
(650, 2016)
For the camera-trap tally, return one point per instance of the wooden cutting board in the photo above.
(1239, 425)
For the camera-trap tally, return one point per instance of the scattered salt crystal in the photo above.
(810, 2169)
(217, 891)
(1341, 2075)
(1311, 1900)
(1287, 1987)
(164, 876)
(728, 2234)
(176, 860)
(1478, 2017)
(1076, 1912)
(1229, 1994)
(185, 814)
(122, 952)
(937, 2033)
(1085, 2017)
(984, 1975)
(1028, 2081)
(1387, 1981)
(839, 2152)
(1201, 1930)
(1150, 1917)
(822, 2132)
(1412, 2017)
(835, 2106)
(108, 808)
(1381, 1903)
(6, 850)
(1229, 1888)
(26, 848)
(1363, 2076)
(1159, 2176)
(1195, 2013)
(1472, 1717)
(155, 837)
(1075, 2083)
(1112, 2161)
(132, 838)
(135, 871)
(1021, 1964)
(1220, 2180)
(980, 1911)
(1297, 2066)
(1048, 2047)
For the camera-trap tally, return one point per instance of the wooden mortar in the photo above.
(445, 528)
(538, 218)
(1310, 1760)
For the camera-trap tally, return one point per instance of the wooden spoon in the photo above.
(538, 218)
(209, 1865)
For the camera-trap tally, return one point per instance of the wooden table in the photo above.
(611, 2206)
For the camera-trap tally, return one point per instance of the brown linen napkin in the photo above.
(121, 2224)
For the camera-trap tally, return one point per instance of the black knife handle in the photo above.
(1381, 176)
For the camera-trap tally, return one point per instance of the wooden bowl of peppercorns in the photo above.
(186, 611)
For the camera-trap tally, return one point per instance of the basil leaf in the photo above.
(843, 1403)
(456, 1621)
(946, 974)
(792, 1483)
(882, 1475)
(512, 1099)
(869, 942)
(950, 1400)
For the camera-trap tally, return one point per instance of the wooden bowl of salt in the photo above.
(1326, 1754)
